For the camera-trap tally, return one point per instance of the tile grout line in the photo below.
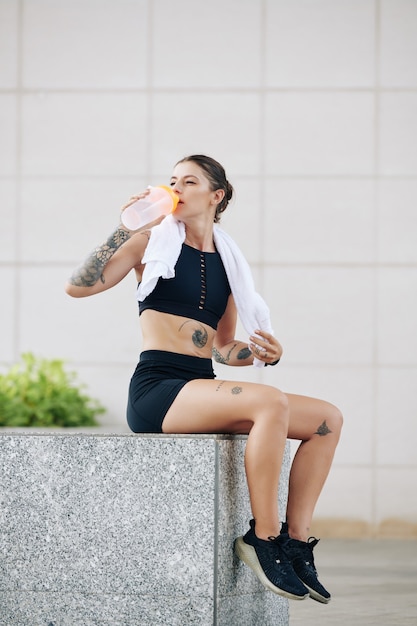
(149, 92)
(374, 364)
(18, 180)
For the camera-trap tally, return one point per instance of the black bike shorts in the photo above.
(156, 382)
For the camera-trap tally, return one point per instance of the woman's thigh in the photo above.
(220, 406)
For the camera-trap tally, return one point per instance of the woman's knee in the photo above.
(274, 406)
(334, 419)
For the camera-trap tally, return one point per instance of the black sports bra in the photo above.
(199, 289)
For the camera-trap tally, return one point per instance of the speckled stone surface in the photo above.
(255, 606)
(127, 529)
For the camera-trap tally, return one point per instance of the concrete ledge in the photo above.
(128, 529)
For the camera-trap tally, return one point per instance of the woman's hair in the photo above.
(217, 177)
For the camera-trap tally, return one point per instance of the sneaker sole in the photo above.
(314, 595)
(247, 554)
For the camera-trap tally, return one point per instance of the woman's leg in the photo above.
(269, 417)
(213, 406)
(317, 424)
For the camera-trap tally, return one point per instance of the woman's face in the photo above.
(192, 186)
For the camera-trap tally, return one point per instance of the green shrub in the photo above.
(39, 392)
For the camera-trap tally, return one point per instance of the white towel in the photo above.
(161, 256)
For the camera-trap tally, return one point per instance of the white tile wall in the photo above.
(311, 106)
(85, 45)
(348, 494)
(226, 125)
(398, 143)
(396, 445)
(8, 43)
(394, 491)
(397, 316)
(325, 313)
(319, 221)
(63, 219)
(207, 45)
(245, 217)
(83, 134)
(98, 330)
(109, 384)
(325, 382)
(8, 221)
(8, 320)
(397, 221)
(8, 134)
(398, 43)
(317, 133)
(326, 43)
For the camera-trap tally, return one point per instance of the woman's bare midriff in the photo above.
(163, 331)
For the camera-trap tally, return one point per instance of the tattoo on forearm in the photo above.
(219, 385)
(217, 356)
(323, 430)
(199, 336)
(92, 269)
(220, 358)
(244, 354)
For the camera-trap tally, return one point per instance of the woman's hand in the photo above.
(265, 347)
(134, 199)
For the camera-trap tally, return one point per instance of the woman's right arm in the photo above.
(109, 263)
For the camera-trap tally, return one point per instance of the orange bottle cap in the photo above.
(173, 195)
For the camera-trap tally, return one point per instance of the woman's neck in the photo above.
(200, 238)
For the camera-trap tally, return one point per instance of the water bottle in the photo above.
(160, 201)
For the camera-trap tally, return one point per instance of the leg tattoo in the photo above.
(323, 430)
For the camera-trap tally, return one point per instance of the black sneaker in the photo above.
(301, 556)
(270, 564)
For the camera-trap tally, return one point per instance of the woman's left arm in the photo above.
(231, 351)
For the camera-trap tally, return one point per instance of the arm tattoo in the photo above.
(220, 358)
(217, 355)
(92, 269)
(323, 429)
(244, 354)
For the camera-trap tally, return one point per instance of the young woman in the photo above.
(187, 319)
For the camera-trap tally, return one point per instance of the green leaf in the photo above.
(40, 392)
